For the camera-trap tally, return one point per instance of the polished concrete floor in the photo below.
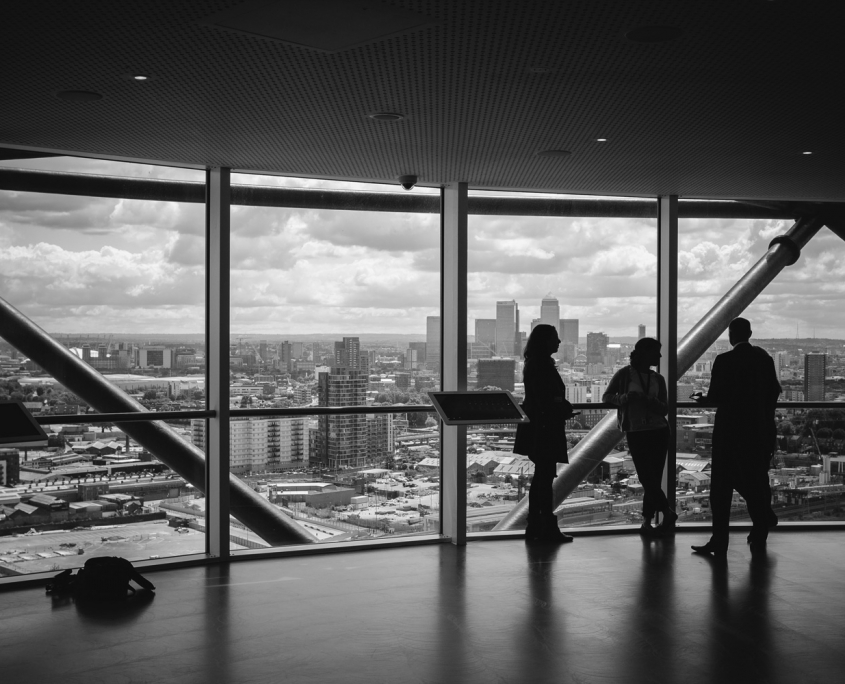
(603, 609)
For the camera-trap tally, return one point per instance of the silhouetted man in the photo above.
(744, 388)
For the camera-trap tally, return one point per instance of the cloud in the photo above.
(51, 276)
(379, 231)
(56, 211)
(77, 263)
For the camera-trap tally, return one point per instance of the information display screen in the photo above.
(474, 408)
(18, 427)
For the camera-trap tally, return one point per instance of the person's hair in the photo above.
(740, 328)
(642, 347)
(537, 344)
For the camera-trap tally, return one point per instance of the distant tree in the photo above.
(839, 434)
(785, 428)
(416, 420)
(149, 395)
(824, 433)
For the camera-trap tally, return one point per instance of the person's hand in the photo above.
(697, 396)
(623, 399)
(635, 395)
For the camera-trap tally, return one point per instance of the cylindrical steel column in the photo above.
(783, 251)
(247, 506)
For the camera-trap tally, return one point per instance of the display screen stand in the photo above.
(477, 408)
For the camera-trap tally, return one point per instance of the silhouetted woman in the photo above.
(640, 394)
(543, 440)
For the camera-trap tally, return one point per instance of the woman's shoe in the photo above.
(552, 533)
(666, 527)
(646, 530)
(669, 518)
(534, 527)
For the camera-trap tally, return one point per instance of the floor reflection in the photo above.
(541, 636)
(650, 648)
(740, 644)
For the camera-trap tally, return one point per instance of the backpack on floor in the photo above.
(105, 578)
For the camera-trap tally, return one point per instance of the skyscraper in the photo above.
(380, 438)
(550, 311)
(596, 347)
(260, 443)
(485, 331)
(507, 327)
(815, 368)
(640, 331)
(496, 373)
(341, 440)
(415, 356)
(432, 342)
(347, 353)
(569, 331)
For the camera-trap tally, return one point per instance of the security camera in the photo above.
(407, 182)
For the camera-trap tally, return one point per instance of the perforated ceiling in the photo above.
(725, 110)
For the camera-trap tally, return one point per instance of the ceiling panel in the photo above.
(725, 110)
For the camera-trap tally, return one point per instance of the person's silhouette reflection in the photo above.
(541, 638)
(740, 642)
(649, 647)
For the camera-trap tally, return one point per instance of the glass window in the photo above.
(120, 283)
(333, 308)
(95, 491)
(594, 280)
(795, 320)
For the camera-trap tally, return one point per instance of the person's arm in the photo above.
(615, 394)
(774, 388)
(660, 405)
(717, 392)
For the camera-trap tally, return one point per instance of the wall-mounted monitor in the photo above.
(477, 408)
(18, 428)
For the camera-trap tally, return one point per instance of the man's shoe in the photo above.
(711, 548)
(647, 530)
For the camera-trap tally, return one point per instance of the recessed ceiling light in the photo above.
(554, 153)
(139, 76)
(386, 116)
(806, 153)
(654, 34)
(601, 139)
(79, 95)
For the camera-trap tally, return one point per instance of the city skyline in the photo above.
(78, 264)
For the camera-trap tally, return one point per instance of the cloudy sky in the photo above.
(95, 265)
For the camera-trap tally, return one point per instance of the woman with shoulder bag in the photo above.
(543, 439)
(641, 398)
